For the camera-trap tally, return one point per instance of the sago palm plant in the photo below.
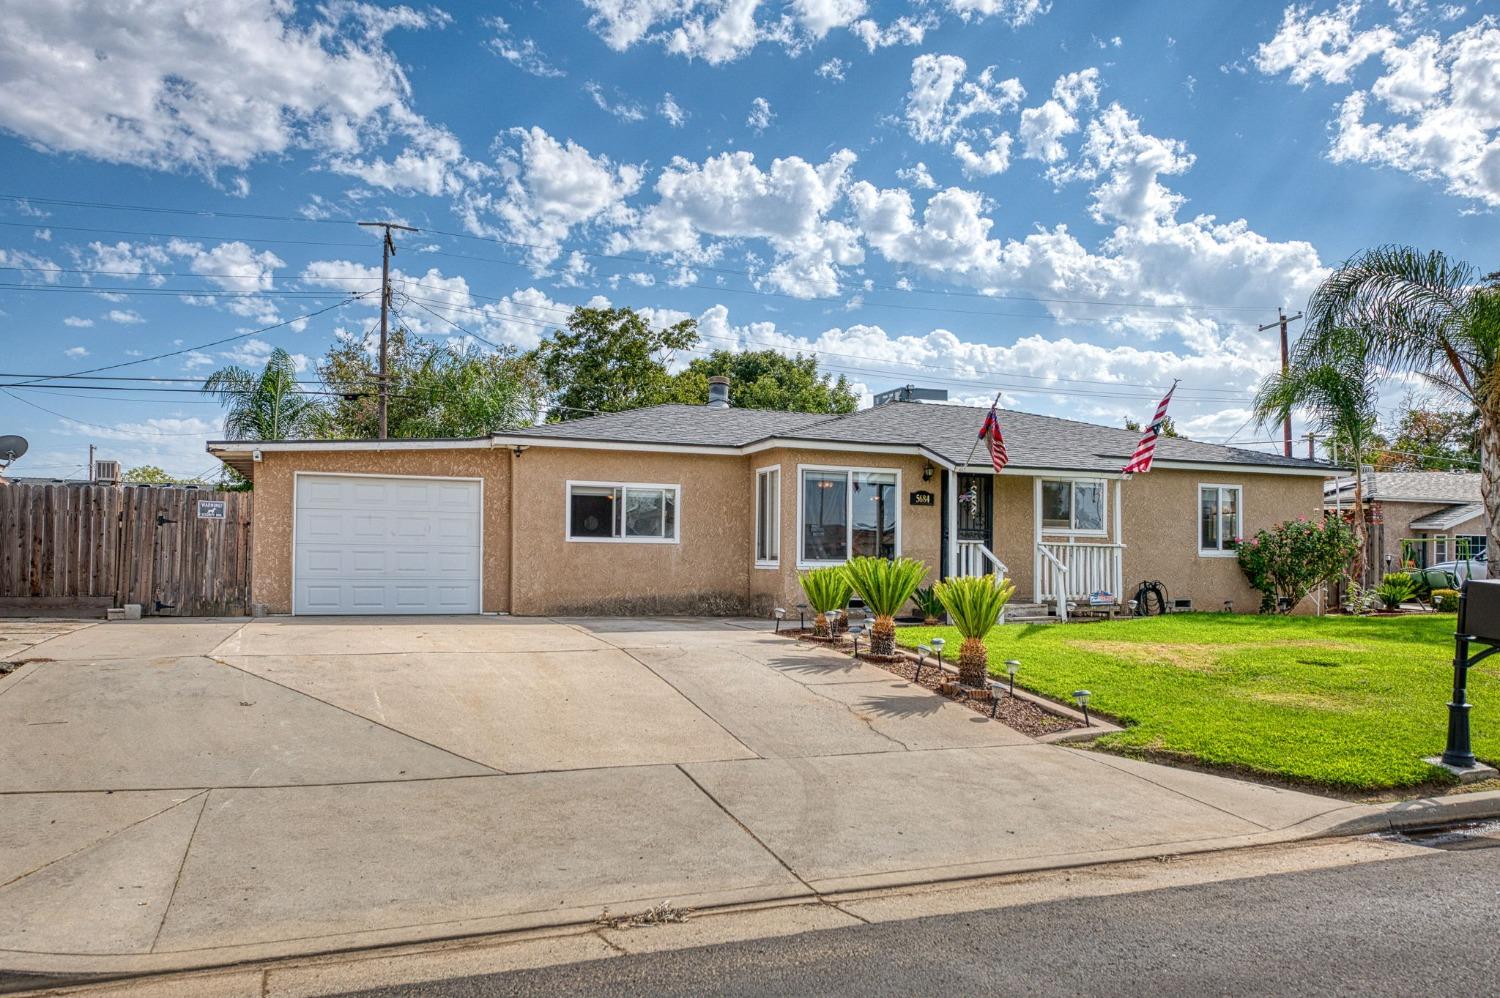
(827, 590)
(885, 585)
(928, 605)
(974, 604)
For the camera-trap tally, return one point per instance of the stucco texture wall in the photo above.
(921, 526)
(1161, 531)
(707, 571)
(272, 541)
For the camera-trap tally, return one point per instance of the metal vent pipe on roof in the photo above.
(718, 392)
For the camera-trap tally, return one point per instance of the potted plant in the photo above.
(827, 589)
(885, 585)
(928, 605)
(974, 604)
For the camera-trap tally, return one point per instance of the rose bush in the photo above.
(1286, 562)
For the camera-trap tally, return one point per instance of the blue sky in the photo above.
(1072, 203)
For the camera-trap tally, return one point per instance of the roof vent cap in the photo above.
(718, 392)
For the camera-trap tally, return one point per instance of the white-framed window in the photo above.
(767, 517)
(844, 512)
(1220, 519)
(623, 512)
(1439, 549)
(1071, 505)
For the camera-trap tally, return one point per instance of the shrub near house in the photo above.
(1285, 563)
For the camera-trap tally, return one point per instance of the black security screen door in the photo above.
(976, 509)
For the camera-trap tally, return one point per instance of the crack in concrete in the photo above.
(176, 881)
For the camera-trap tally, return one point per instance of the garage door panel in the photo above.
(371, 545)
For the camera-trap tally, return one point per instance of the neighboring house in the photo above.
(712, 509)
(1415, 518)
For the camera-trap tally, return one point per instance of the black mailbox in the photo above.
(1480, 610)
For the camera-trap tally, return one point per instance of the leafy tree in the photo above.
(436, 389)
(265, 406)
(1168, 427)
(1336, 384)
(609, 360)
(147, 474)
(1284, 563)
(1432, 439)
(765, 379)
(1426, 314)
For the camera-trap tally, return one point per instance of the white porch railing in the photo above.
(1069, 570)
(976, 559)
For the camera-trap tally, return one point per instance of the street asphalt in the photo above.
(1422, 925)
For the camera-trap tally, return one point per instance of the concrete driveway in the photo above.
(180, 793)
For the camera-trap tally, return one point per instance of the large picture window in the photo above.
(607, 511)
(848, 512)
(1219, 519)
(1073, 506)
(768, 517)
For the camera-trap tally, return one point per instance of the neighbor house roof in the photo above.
(1444, 519)
(1412, 486)
(945, 434)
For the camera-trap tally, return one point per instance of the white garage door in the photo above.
(386, 545)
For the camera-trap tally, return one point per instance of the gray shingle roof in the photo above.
(696, 425)
(1450, 517)
(949, 431)
(1414, 486)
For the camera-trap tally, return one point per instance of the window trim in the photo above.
(676, 491)
(775, 524)
(802, 470)
(1071, 531)
(1239, 520)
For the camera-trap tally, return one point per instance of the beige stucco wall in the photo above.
(272, 539)
(920, 526)
(707, 571)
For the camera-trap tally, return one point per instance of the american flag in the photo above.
(1146, 449)
(991, 431)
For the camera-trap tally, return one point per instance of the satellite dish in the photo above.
(11, 447)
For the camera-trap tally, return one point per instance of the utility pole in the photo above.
(1312, 446)
(90, 474)
(388, 250)
(1282, 320)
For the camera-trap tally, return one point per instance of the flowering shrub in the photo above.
(1284, 563)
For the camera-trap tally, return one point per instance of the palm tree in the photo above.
(827, 590)
(1331, 378)
(974, 604)
(885, 585)
(264, 406)
(1425, 314)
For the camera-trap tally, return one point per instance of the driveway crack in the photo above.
(166, 909)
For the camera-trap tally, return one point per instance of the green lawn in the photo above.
(1348, 702)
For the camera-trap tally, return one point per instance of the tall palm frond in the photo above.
(265, 406)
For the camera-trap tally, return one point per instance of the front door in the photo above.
(976, 509)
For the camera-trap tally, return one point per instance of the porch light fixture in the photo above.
(1082, 696)
(922, 652)
(779, 613)
(937, 646)
(928, 472)
(1012, 666)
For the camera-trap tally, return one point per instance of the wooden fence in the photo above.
(91, 546)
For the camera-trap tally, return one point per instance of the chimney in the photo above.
(718, 392)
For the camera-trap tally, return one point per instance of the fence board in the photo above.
(132, 545)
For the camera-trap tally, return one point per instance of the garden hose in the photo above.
(1150, 599)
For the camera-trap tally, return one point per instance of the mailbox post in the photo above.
(1478, 623)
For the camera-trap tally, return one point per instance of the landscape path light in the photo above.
(937, 646)
(779, 613)
(801, 616)
(922, 652)
(1082, 696)
(855, 630)
(1012, 666)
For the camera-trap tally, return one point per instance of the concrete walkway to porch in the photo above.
(186, 793)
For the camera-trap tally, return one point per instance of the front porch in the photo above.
(1058, 537)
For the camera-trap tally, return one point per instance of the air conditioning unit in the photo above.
(107, 472)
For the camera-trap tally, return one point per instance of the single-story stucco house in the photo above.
(1415, 518)
(714, 509)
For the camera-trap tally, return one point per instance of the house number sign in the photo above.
(921, 498)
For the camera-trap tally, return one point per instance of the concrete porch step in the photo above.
(1028, 612)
